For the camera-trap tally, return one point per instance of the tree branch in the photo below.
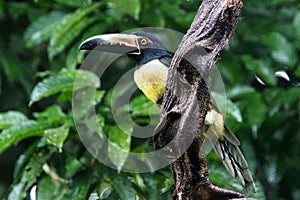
(187, 97)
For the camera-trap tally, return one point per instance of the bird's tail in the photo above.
(226, 146)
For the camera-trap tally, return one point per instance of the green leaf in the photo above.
(291, 97)
(138, 180)
(220, 176)
(299, 110)
(119, 146)
(73, 57)
(17, 9)
(297, 72)
(156, 184)
(79, 188)
(51, 85)
(87, 101)
(142, 106)
(57, 136)
(143, 111)
(255, 110)
(239, 91)
(275, 97)
(83, 78)
(99, 96)
(96, 123)
(233, 112)
(231, 72)
(123, 187)
(10, 118)
(296, 26)
(69, 28)
(18, 132)
(51, 116)
(41, 29)
(282, 50)
(229, 109)
(84, 102)
(61, 38)
(28, 176)
(75, 3)
(63, 82)
(131, 7)
(11, 65)
(46, 188)
(2, 7)
(23, 159)
(261, 68)
(72, 166)
(152, 18)
(105, 190)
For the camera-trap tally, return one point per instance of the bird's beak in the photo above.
(113, 43)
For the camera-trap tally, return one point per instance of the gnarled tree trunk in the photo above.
(187, 98)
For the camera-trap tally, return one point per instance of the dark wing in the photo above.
(233, 159)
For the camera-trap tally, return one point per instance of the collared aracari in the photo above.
(152, 61)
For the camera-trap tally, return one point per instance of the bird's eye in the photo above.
(143, 41)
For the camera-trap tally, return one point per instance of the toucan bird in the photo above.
(150, 56)
(152, 61)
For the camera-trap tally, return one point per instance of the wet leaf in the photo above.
(84, 102)
(119, 145)
(51, 116)
(75, 57)
(63, 36)
(63, 82)
(57, 136)
(18, 132)
(51, 85)
(10, 118)
(69, 28)
(41, 29)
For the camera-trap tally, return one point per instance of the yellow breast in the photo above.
(151, 78)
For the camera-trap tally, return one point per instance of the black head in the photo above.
(139, 46)
(150, 48)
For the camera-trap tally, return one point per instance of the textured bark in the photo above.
(186, 100)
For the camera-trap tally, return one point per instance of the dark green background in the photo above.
(39, 52)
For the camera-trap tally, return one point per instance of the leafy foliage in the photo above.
(39, 66)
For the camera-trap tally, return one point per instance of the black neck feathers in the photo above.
(148, 55)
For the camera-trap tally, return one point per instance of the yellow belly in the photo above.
(151, 78)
